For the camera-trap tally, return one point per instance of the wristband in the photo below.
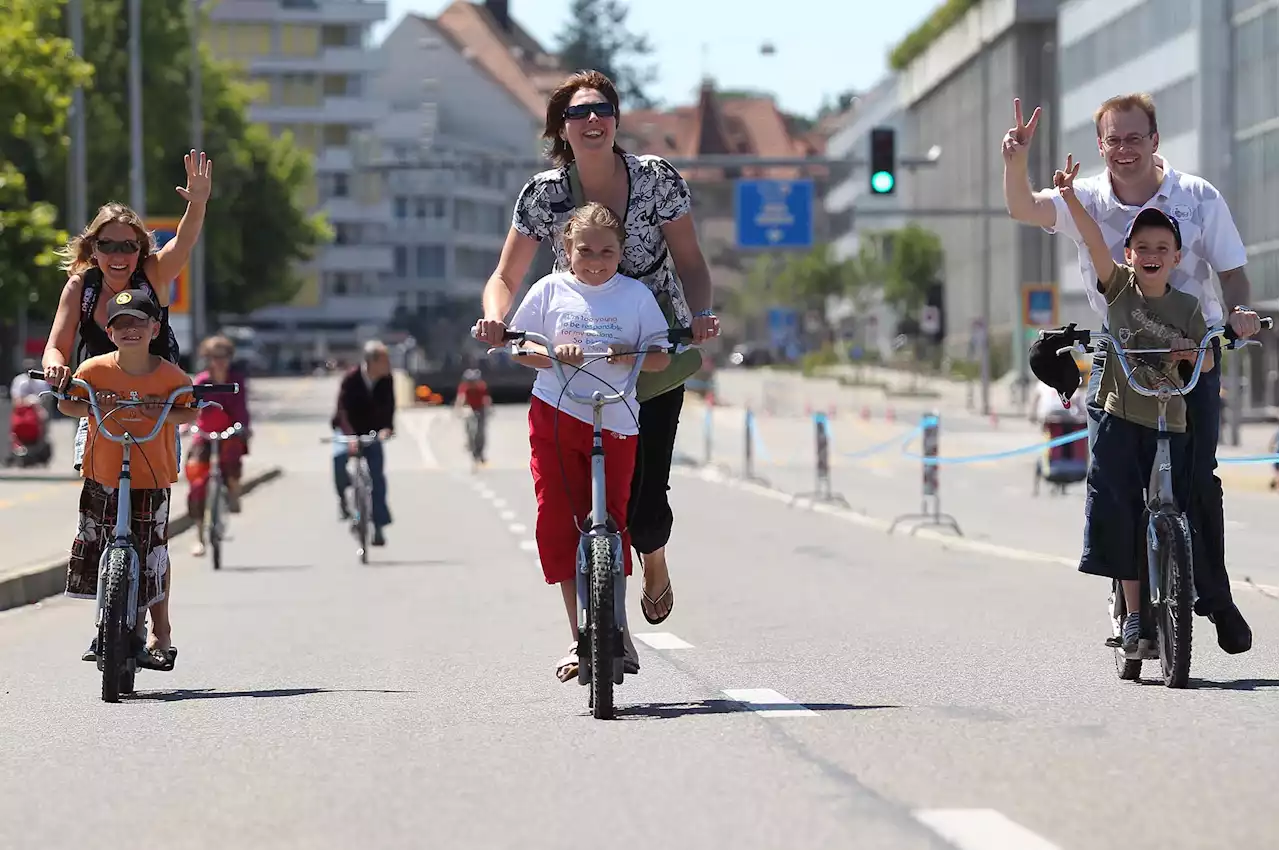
(704, 313)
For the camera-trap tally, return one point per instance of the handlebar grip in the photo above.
(38, 374)
(1229, 333)
(675, 336)
(210, 389)
(509, 335)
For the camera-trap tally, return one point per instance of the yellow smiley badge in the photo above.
(124, 298)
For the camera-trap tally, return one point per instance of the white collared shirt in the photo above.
(1210, 241)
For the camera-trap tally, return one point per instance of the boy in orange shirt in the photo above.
(131, 372)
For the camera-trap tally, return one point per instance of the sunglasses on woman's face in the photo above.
(603, 109)
(117, 246)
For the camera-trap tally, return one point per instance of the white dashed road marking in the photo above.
(499, 503)
(529, 545)
(768, 703)
(981, 829)
(517, 528)
(507, 516)
(662, 640)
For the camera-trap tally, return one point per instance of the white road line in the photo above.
(507, 516)
(517, 528)
(981, 829)
(485, 492)
(768, 703)
(662, 640)
(421, 439)
(499, 503)
(529, 545)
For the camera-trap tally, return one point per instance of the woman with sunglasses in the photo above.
(661, 249)
(115, 253)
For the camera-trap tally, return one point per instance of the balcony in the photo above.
(300, 11)
(335, 159)
(356, 258)
(330, 110)
(330, 60)
(353, 211)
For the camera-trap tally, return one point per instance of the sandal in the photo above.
(160, 660)
(567, 667)
(648, 604)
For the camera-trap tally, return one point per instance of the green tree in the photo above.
(912, 263)
(257, 225)
(37, 73)
(596, 37)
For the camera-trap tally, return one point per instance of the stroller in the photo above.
(28, 438)
(1063, 464)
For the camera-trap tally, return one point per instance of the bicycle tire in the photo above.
(113, 640)
(1174, 617)
(1128, 669)
(603, 628)
(215, 525)
(364, 507)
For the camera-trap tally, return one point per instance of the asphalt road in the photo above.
(819, 684)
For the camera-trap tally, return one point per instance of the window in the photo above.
(337, 135)
(333, 35)
(401, 205)
(402, 261)
(299, 40)
(299, 90)
(1254, 208)
(1256, 69)
(475, 264)
(346, 233)
(341, 186)
(1152, 22)
(430, 261)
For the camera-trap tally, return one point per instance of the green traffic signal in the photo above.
(882, 182)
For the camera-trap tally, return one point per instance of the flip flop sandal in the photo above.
(646, 603)
(155, 659)
(567, 668)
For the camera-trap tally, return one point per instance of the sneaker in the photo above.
(1131, 633)
(378, 539)
(92, 654)
(1234, 634)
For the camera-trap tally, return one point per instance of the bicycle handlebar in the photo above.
(673, 336)
(1080, 338)
(218, 435)
(197, 392)
(362, 439)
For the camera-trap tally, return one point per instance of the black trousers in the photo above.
(649, 512)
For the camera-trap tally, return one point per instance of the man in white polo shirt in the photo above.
(1137, 177)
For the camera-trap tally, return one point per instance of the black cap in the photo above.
(132, 302)
(1152, 217)
(1054, 369)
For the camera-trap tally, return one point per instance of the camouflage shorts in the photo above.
(149, 524)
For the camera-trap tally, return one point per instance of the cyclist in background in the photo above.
(473, 394)
(366, 402)
(218, 353)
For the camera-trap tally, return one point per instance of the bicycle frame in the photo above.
(215, 439)
(122, 537)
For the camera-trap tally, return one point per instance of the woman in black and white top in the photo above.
(661, 249)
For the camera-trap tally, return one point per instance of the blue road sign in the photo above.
(774, 213)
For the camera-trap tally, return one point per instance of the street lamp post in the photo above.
(199, 303)
(137, 185)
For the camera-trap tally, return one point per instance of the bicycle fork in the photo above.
(1161, 503)
(601, 526)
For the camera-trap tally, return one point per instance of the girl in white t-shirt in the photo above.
(590, 310)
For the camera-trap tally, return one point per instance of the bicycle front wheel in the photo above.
(364, 512)
(114, 642)
(603, 628)
(217, 502)
(1174, 614)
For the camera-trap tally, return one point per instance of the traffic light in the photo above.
(883, 160)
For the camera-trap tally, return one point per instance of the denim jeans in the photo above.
(377, 477)
(1208, 531)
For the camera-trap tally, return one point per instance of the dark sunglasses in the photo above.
(117, 246)
(603, 109)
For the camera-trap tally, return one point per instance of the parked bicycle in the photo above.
(1169, 595)
(217, 500)
(600, 577)
(119, 570)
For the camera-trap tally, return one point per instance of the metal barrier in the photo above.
(748, 450)
(822, 466)
(930, 498)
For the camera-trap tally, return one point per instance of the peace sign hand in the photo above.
(1065, 179)
(1018, 140)
(199, 178)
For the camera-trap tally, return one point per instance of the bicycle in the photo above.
(217, 498)
(600, 561)
(361, 488)
(475, 436)
(120, 569)
(1169, 595)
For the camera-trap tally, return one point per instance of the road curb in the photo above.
(37, 583)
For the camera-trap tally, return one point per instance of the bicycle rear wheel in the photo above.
(1174, 614)
(603, 629)
(114, 641)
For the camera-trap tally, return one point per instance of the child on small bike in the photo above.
(589, 310)
(130, 372)
(218, 353)
(1143, 311)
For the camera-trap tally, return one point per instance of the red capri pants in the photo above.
(562, 496)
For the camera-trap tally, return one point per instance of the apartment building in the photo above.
(454, 115)
(958, 95)
(313, 68)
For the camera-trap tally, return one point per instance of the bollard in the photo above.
(822, 465)
(748, 449)
(930, 498)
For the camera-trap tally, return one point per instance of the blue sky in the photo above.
(818, 53)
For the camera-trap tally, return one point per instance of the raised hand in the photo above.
(199, 178)
(1018, 140)
(1064, 180)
